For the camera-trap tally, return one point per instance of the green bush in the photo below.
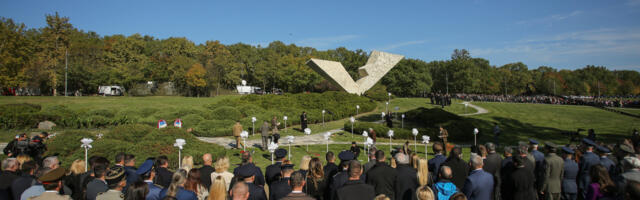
(214, 128)
(191, 120)
(226, 113)
(19, 115)
(129, 132)
(380, 129)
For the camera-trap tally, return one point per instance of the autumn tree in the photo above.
(195, 78)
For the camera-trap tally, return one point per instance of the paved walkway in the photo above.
(479, 109)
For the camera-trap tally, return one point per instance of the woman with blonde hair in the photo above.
(187, 163)
(423, 172)
(176, 188)
(218, 190)
(414, 160)
(73, 179)
(222, 166)
(193, 184)
(304, 165)
(424, 193)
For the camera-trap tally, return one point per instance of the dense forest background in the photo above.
(35, 58)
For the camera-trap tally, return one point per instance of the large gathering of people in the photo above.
(598, 101)
(529, 171)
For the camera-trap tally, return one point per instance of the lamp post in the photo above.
(475, 133)
(390, 134)
(368, 142)
(365, 135)
(323, 117)
(272, 148)
(86, 144)
(386, 107)
(244, 135)
(357, 109)
(179, 143)
(465, 107)
(285, 123)
(307, 131)
(253, 125)
(389, 96)
(425, 140)
(327, 135)
(352, 120)
(290, 140)
(402, 120)
(382, 116)
(414, 131)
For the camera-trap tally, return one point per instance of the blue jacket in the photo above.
(608, 163)
(569, 184)
(154, 192)
(434, 163)
(588, 160)
(444, 189)
(181, 195)
(478, 186)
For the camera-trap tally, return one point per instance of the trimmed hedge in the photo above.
(381, 130)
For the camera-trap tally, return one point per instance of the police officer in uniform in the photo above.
(587, 160)
(605, 161)
(538, 159)
(247, 173)
(569, 183)
(342, 176)
(272, 172)
(147, 173)
(116, 179)
(281, 188)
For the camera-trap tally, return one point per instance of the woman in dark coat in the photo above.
(459, 168)
(520, 183)
(316, 185)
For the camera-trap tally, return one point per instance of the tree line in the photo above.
(37, 57)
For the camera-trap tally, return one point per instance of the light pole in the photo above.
(352, 120)
(475, 133)
(389, 96)
(402, 120)
(179, 143)
(414, 131)
(290, 140)
(382, 116)
(285, 123)
(386, 106)
(465, 107)
(323, 117)
(244, 135)
(327, 135)
(368, 142)
(253, 126)
(272, 148)
(357, 109)
(365, 135)
(307, 131)
(86, 144)
(390, 134)
(425, 140)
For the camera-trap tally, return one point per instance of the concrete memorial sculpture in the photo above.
(377, 66)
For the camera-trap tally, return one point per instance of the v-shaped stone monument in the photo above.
(377, 66)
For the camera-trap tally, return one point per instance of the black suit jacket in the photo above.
(256, 192)
(163, 177)
(205, 175)
(406, 182)
(355, 190)
(272, 172)
(383, 179)
(459, 169)
(279, 189)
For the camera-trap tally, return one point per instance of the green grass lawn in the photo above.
(633, 111)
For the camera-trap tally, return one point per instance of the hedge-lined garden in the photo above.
(206, 119)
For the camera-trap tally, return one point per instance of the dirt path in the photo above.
(479, 109)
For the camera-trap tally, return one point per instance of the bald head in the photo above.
(240, 191)
(445, 172)
(206, 158)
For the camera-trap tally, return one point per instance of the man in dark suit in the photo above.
(435, 162)
(382, 177)
(99, 184)
(520, 183)
(342, 176)
(247, 159)
(9, 173)
(297, 182)
(355, 188)
(569, 183)
(479, 184)
(459, 167)
(330, 169)
(492, 165)
(407, 179)
(281, 188)
(247, 173)
(206, 170)
(19, 185)
(163, 175)
(272, 172)
(587, 160)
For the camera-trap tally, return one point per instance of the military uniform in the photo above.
(272, 172)
(256, 192)
(237, 129)
(569, 185)
(587, 160)
(154, 190)
(50, 177)
(553, 174)
(110, 195)
(605, 161)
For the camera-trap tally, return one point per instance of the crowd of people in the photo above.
(590, 170)
(547, 99)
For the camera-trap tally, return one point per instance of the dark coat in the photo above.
(94, 187)
(330, 170)
(479, 185)
(6, 178)
(355, 190)
(298, 196)
(492, 163)
(569, 182)
(259, 176)
(459, 169)
(279, 189)
(587, 160)
(256, 192)
(337, 182)
(369, 165)
(272, 172)
(520, 185)
(205, 175)
(406, 182)
(434, 163)
(163, 177)
(609, 164)
(74, 182)
(317, 189)
(383, 179)
(21, 184)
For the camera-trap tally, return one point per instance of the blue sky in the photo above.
(566, 34)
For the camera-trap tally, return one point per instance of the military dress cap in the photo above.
(532, 141)
(346, 155)
(145, 167)
(626, 148)
(603, 149)
(588, 142)
(286, 166)
(115, 175)
(550, 145)
(245, 171)
(568, 150)
(53, 175)
(280, 153)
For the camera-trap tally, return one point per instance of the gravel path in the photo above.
(479, 109)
